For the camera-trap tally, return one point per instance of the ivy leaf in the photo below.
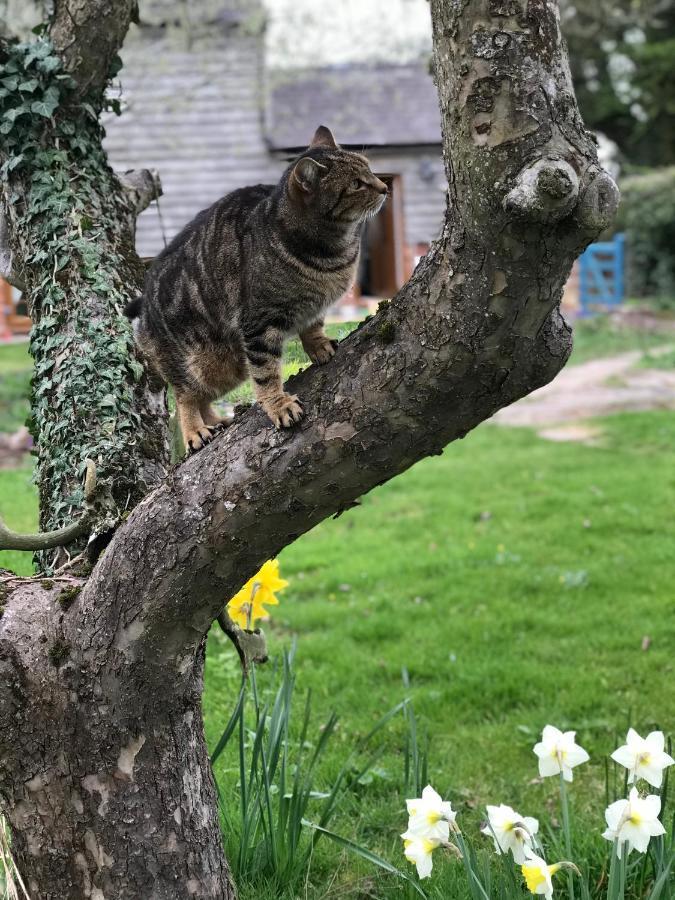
(11, 82)
(46, 106)
(6, 127)
(108, 402)
(38, 50)
(13, 114)
(29, 85)
(49, 64)
(115, 65)
(14, 162)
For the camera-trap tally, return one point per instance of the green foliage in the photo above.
(647, 215)
(514, 579)
(70, 215)
(621, 62)
(269, 836)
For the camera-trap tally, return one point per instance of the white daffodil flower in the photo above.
(510, 831)
(558, 752)
(418, 851)
(430, 816)
(537, 874)
(634, 822)
(644, 757)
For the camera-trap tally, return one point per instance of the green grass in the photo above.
(658, 360)
(18, 507)
(504, 585)
(603, 336)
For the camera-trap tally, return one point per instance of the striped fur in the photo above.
(262, 263)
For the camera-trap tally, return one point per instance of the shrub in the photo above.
(647, 215)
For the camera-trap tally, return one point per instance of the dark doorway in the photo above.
(382, 266)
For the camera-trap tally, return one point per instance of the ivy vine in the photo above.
(71, 219)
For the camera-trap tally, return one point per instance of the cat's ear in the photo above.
(323, 137)
(307, 173)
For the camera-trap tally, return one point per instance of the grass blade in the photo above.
(368, 855)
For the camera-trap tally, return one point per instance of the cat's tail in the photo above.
(133, 309)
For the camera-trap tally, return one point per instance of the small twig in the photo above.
(46, 540)
(250, 645)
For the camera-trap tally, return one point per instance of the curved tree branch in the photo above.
(477, 327)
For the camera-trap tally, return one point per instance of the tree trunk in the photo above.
(103, 771)
(107, 782)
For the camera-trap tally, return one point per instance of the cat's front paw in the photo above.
(322, 350)
(198, 438)
(284, 411)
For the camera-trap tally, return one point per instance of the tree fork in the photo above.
(478, 326)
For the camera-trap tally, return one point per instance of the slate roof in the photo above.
(195, 114)
(373, 106)
(195, 108)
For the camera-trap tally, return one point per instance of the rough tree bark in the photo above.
(103, 769)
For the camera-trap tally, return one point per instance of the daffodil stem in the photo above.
(611, 879)
(568, 834)
(475, 885)
(622, 884)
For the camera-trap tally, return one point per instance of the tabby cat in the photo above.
(262, 263)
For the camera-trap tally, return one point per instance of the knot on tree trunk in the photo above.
(545, 191)
(142, 186)
(598, 203)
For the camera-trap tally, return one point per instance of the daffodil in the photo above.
(249, 603)
(510, 831)
(430, 816)
(644, 757)
(633, 822)
(558, 752)
(418, 851)
(538, 874)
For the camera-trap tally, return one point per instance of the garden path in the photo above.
(559, 410)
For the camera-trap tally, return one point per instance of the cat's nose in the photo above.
(380, 187)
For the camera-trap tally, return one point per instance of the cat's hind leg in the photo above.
(317, 345)
(212, 419)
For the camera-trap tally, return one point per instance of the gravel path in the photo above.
(591, 390)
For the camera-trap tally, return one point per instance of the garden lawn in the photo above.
(509, 583)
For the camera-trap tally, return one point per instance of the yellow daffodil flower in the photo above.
(248, 604)
(430, 816)
(418, 851)
(537, 874)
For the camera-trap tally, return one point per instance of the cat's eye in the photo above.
(356, 184)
